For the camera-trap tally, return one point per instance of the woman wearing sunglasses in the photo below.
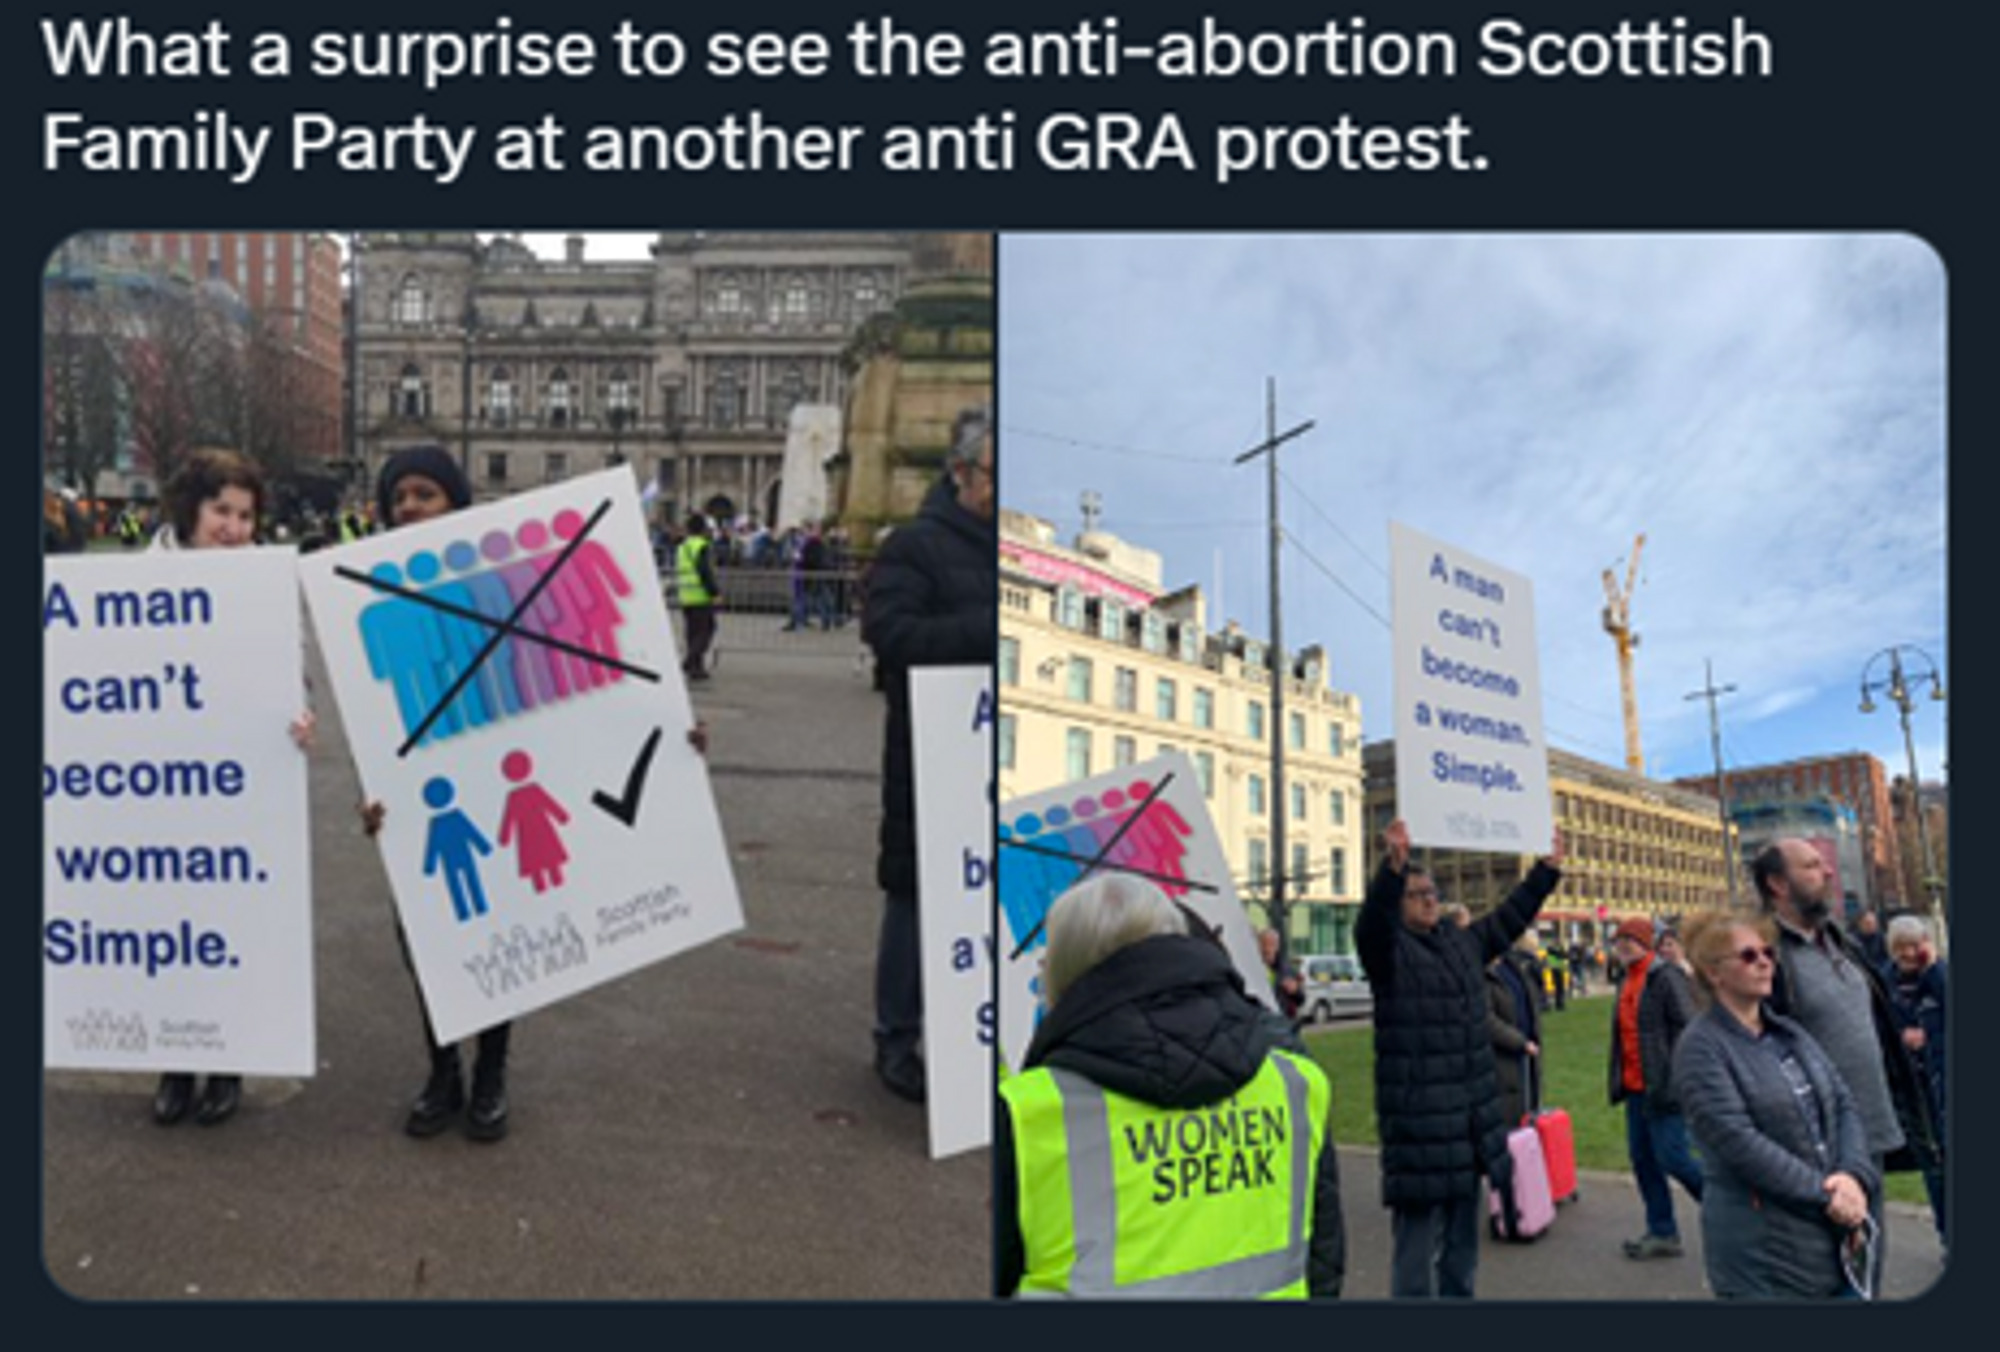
(1786, 1156)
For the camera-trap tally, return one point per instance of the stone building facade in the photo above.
(685, 366)
(1101, 666)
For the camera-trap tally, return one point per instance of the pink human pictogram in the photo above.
(529, 823)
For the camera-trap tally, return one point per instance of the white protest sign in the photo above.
(1472, 770)
(513, 696)
(951, 725)
(176, 892)
(1149, 819)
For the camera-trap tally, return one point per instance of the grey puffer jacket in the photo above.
(1766, 1152)
(1166, 1021)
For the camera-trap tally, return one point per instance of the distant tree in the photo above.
(80, 360)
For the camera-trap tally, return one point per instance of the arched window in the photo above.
(792, 300)
(500, 397)
(621, 402)
(411, 304)
(725, 397)
(726, 298)
(791, 390)
(413, 395)
(864, 296)
(557, 401)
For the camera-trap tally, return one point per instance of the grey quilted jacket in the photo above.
(1766, 1149)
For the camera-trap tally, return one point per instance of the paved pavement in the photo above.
(1580, 1256)
(707, 1128)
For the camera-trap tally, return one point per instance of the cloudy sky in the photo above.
(1768, 410)
(599, 247)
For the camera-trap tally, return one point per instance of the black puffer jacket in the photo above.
(1436, 1088)
(1165, 1021)
(933, 600)
(1666, 1007)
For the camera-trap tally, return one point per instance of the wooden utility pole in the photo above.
(1618, 624)
(1711, 692)
(1279, 806)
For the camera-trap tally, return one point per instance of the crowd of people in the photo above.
(1764, 1061)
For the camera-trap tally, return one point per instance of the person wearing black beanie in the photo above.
(431, 472)
(419, 483)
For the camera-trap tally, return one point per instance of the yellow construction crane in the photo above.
(1618, 624)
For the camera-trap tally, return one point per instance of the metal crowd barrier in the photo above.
(811, 614)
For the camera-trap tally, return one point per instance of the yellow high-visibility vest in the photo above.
(1118, 1197)
(687, 572)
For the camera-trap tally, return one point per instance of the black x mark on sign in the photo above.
(501, 628)
(1092, 865)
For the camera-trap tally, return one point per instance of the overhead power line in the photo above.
(1366, 557)
(1141, 452)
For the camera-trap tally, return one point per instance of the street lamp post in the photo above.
(1897, 686)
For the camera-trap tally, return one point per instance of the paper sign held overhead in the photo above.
(1472, 770)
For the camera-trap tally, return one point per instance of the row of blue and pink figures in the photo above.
(424, 650)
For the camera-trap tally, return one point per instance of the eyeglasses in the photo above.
(1747, 956)
(1422, 893)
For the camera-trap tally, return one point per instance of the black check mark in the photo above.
(625, 807)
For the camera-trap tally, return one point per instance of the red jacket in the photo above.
(1627, 1071)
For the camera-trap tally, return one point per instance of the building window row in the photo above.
(791, 297)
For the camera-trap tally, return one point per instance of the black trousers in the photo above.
(492, 1042)
(698, 626)
(899, 983)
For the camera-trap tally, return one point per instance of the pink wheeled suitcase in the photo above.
(1534, 1208)
(1558, 1151)
(1558, 1140)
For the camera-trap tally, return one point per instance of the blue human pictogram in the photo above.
(450, 845)
(404, 649)
(458, 643)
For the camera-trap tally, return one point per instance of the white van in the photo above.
(1334, 985)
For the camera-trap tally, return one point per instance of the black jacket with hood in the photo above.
(1165, 1021)
(933, 600)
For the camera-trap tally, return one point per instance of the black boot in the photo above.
(902, 1072)
(219, 1099)
(171, 1099)
(487, 1118)
(442, 1097)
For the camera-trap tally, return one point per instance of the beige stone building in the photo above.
(686, 365)
(1635, 846)
(913, 372)
(1101, 666)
